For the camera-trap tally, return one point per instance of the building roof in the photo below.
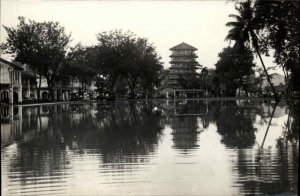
(183, 46)
(276, 74)
(166, 88)
(280, 88)
(28, 74)
(14, 65)
(273, 74)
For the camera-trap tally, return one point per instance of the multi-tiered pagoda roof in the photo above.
(183, 63)
(183, 46)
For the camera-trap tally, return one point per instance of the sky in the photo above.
(164, 23)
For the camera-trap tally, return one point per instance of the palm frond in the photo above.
(233, 24)
(237, 17)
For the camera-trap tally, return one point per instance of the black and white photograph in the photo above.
(149, 97)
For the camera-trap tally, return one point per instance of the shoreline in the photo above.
(95, 101)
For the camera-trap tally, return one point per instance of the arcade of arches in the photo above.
(7, 97)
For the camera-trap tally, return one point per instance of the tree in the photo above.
(204, 75)
(280, 24)
(190, 79)
(150, 70)
(40, 45)
(182, 81)
(128, 56)
(244, 32)
(81, 63)
(233, 68)
(111, 54)
(236, 126)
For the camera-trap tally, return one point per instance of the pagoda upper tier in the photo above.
(183, 46)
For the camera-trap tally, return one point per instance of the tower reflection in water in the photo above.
(187, 119)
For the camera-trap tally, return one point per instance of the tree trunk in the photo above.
(112, 84)
(39, 88)
(262, 145)
(51, 81)
(144, 85)
(113, 120)
(131, 85)
(266, 72)
(287, 83)
(132, 90)
(51, 91)
(246, 92)
(39, 117)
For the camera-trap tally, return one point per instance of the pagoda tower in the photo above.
(183, 63)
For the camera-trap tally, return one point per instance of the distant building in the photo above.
(60, 90)
(10, 82)
(182, 63)
(29, 85)
(278, 82)
(276, 79)
(65, 91)
(167, 91)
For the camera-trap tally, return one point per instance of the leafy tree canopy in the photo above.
(233, 68)
(270, 25)
(40, 45)
(128, 56)
(82, 63)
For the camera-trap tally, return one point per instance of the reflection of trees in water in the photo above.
(235, 125)
(42, 151)
(121, 131)
(135, 131)
(291, 127)
(269, 171)
(288, 155)
(129, 132)
(42, 156)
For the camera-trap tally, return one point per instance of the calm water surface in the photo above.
(186, 147)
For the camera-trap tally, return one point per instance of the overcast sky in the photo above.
(165, 23)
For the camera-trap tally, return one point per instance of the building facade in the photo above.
(29, 86)
(10, 82)
(18, 84)
(278, 82)
(183, 63)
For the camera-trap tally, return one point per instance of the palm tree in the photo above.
(204, 74)
(243, 32)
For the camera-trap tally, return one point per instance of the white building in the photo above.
(276, 80)
(10, 82)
